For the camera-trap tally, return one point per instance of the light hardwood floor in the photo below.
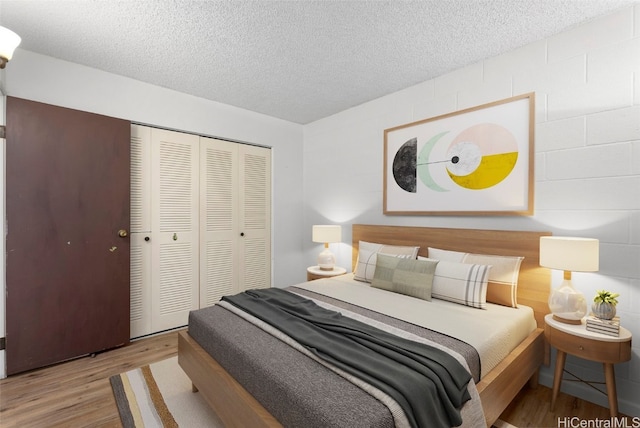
(78, 393)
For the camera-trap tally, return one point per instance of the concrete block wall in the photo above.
(587, 161)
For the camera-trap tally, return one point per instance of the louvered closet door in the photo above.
(255, 215)
(140, 285)
(219, 223)
(175, 242)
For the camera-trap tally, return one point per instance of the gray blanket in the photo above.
(429, 384)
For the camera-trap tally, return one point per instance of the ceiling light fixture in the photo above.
(9, 41)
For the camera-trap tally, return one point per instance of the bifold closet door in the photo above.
(174, 224)
(164, 229)
(235, 219)
(200, 224)
(219, 222)
(140, 232)
(255, 216)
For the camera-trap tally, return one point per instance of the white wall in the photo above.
(587, 173)
(45, 79)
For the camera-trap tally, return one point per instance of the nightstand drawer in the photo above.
(589, 349)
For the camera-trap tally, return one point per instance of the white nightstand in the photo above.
(314, 272)
(577, 340)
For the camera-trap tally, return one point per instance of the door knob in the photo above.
(122, 233)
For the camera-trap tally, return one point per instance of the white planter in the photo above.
(605, 311)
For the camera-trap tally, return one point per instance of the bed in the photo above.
(496, 387)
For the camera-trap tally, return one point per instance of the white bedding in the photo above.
(494, 332)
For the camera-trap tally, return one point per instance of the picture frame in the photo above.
(476, 161)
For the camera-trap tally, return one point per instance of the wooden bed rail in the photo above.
(231, 402)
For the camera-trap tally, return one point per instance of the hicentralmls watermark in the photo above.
(576, 422)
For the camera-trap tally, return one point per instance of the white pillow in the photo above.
(503, 278)
(367, 257)
(462, 283)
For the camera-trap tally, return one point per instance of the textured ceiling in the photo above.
(295, 60)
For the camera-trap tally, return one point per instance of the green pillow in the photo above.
(405, 276)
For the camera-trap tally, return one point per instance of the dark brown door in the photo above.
(67, 190)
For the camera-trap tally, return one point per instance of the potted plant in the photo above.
(604, 304)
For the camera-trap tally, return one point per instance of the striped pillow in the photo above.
(405, 276)
(503, 278)
(367, 256)
(462, 283)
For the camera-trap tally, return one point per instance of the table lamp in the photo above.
(569, 254)
(326, 234)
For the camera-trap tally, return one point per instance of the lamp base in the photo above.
(326, 260)
(567, 304)
(567, 321)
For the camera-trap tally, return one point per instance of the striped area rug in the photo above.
(159, 395)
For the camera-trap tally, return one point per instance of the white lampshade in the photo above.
(570, 255)
(9, 41)
(326, 234)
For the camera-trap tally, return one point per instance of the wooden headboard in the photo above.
(533, 282)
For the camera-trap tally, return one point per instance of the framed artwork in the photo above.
(477, 161)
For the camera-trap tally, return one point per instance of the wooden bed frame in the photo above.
(237, 408)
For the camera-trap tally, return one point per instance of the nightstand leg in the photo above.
(557, 377)
(610, 378)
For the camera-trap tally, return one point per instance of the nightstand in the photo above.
(578, 341)
(314, 272)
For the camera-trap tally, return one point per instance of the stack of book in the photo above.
(609, 327)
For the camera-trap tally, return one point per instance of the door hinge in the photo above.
(3, 343)
(3, 131)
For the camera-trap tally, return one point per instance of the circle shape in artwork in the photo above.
(486, 154)
(404, 166)
(465, 158)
